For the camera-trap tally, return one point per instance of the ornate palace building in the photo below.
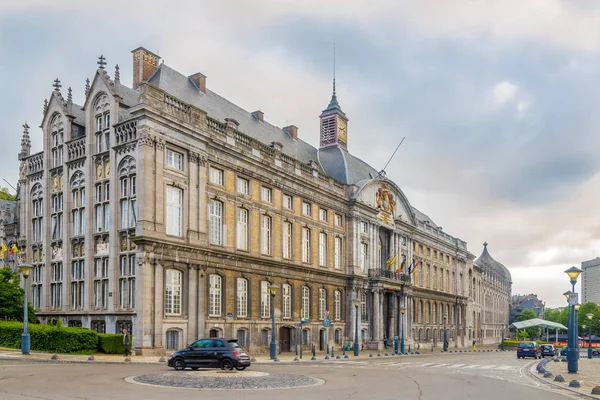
(165, 208)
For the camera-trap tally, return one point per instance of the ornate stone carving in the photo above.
(160, 145)
(385, 199)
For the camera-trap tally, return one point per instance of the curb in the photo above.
(531, 371)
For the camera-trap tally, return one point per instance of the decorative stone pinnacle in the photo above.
(117, 74)
(87, 86)
(25, 128)
(45, 105)
(101, 62)
(57, 85)
(69, 95)
(485, 244)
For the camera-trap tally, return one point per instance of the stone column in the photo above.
(192, 303)
(376, 319)
(145, 305)
(159, 301)
(202, 311)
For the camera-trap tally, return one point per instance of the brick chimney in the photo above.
(291, 130)
(258, 115)
(144, 64)
(200, 81)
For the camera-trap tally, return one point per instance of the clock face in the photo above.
(342, 130)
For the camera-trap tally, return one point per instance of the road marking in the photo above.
(487, 367)
(508, 367)
(456, 365)
(427, 364)
(472, 366)
(440, 366)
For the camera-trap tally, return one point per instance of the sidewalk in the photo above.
(588, 376)
(286, 358)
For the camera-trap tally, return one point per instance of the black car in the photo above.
(548, 350)
(211, 353)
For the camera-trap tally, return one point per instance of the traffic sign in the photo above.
(327, 323)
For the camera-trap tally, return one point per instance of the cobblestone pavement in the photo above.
(588, 375)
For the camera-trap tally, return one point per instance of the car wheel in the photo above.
(241, 368)
(226, 364)
(179, 364)
(194, 368)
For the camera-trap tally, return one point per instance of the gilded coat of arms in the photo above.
(385, 199)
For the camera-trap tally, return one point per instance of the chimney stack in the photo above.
(144, 64)
(258, 115)
(200, 81)
(292, 130)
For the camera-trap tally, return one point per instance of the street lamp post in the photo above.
(273, 347)
(402, 311)
(356, 304)
(25, 338)
(502, 345)
(445, 333)
(572, 349)
(590, 316)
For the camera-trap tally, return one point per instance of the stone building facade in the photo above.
(169, 210)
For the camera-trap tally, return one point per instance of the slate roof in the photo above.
(487, 262)
(343, 166)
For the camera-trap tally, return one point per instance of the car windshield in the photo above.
(526, 345)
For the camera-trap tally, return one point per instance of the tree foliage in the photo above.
(528, 314)
(582, 319)
(11, 297)
(5, 194)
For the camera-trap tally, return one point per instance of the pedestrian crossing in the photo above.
(484, 367)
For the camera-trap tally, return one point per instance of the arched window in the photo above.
(337, 305)
(57, 132)
(215, 221)
(102, 116)
(215, 295)
(305, 302)
(242, 297)
(435, 313)
(322, 303)
(265, 299)
(338, 336)
(427, 312)
(363, 307)
(128, 192)
(172, 339)
(78, 203)
(286, 292)
(173, 291)
(97, 325)
(242, 338)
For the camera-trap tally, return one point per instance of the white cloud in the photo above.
(522, 106)
(504, 91)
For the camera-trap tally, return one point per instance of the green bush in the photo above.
(49, 338)
(110, 343)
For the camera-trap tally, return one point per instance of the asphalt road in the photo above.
(429, 377)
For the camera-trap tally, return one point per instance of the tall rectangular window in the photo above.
(287, 240)
(322, 249)
(215, 296)
(101, 283)
(266, 234)
(174, 160)
(322, 304)
(288, 202)
(337, 305)
(306, 208)
(286, 291)
(216, 176)
(174, 211)
(265, 300)
(215, 220)
(364, 256)
(363, 307)
(173, 291)
(242, 229)
(242, 297)
(435, 278)
(338, 220)
(56, 278)
(305, 302)
(127, 281)
(306, 245)
(337, 253)
(323, 215)
(243, 186)
(267, 194)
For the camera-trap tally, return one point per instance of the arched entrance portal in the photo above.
(285, 333)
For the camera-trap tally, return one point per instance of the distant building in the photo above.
(590, 281)
(8, 216)
(521, 303)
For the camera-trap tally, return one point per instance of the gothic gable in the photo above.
(389, 201)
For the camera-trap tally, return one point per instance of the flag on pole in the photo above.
(399, 268)
(390, 261)
(413, 269)
(13, 249)
(3, 250)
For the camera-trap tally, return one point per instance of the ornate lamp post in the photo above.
(572, 349)
(402, 311)
(590, 316)
(273, 347)
(25, 338)
(356, 303)
(445, 333)
(502, 345)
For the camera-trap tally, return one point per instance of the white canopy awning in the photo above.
(537, 322)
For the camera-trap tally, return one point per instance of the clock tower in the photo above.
(334, 125)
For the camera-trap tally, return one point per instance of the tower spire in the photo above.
(334, 123)
(334, 68)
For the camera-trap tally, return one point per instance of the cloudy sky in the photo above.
(498, 99)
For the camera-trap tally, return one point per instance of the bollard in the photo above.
(596, 390)
(559, 378)
(54, 357)
(371, 355)
(338, 357)
(91, 358)
(548, 374)
(162, 359)
(574, 383)
(295, 358)
(332, 351)
(378, 354)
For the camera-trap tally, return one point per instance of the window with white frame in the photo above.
(338, 220)
(127, 273)
(243, 186)
(174, 159)
(306, 208)
(427, 312)
(216, 176)
(174, 211)
(242, 297)
(78, 275)
(266, 194)
(435, 277)
(322, 304)
(36, 281)
(101, 283)
(322, 249)
(102, 195)
(172, 340)
(128, 193)
(215, 221)
(57, 129)
(305, 302)
(37, 213)
(337, 305)
(306, 245)
(215, 295)
(78, 204)
(287, 239)
(266, 236)
(323, 215)
(241, 231)
(363, 307)
(286, 292)
(337, 253)
(56, 281)
(265, 299)
(173, 291)
(288, 202)
(364, 256)
(57, 216)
